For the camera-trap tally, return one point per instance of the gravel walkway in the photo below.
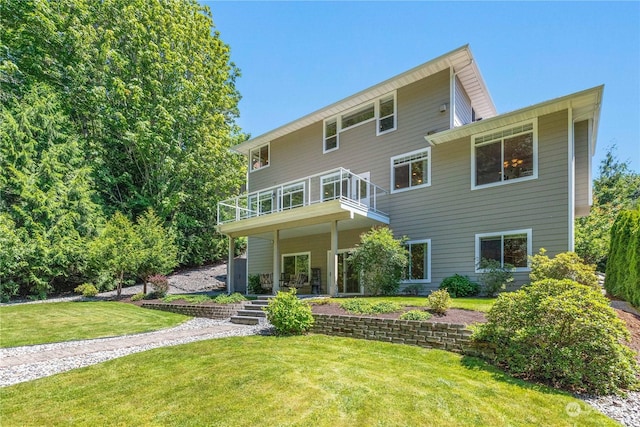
(20, 364)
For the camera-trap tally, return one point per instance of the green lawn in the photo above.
(477, 304)
(30, 324)
(312, 380)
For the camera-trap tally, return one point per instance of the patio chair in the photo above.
(266, 281)
(299, 280)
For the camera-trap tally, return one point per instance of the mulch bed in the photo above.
(453, 315)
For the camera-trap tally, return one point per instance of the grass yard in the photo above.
(311, 380)
(477, 304)
(29, 324)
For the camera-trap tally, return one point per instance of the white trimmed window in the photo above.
(505, 156)
(292, 196)
(298, 263)
(411, 170)
(383, 110)
(259, 158)
(334, 186)
(419, 265)
(508, 248)
(386, 117)
(331, 141)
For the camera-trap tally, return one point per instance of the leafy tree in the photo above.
(157, 251)
(116, 249)
(615, 189)
(623, 267)
(381, 260)
(45, 192)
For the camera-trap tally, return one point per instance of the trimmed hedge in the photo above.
(623, 264)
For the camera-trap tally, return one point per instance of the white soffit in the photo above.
(585, 105)
(460, 59)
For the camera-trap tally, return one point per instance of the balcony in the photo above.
(305, 205)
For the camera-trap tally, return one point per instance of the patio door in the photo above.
(348, 278)
(360, 188)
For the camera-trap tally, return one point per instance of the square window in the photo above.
(411, 170)
(259, 158)
(509, 248)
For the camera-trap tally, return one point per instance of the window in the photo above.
(261, 203)
(419, 266)
(505, 156)
(293, 196)
(358, 116)
(330, 135)
(382, 110)
(509, 247)
(259, 158)
(411, 170)
(334, 186)
(386, 114)
(296, 264)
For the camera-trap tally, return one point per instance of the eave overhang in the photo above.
(461, 60)
(585, 105)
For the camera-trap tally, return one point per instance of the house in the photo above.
(427, 154)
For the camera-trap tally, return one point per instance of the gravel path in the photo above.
(20, 364)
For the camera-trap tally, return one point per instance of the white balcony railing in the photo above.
(338, 184)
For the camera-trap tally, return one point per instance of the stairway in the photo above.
(252, 313)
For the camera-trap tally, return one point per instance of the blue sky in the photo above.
(297, 57)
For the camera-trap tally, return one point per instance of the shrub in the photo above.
(413, 289)
(495, 277)
(460, 286)
(361, 306)
(234, 298)
(381, 259)
(139, 296)
(8, 289)
(254, 284)
(87, 290)
(566, 265)
(160, 285)
(561, 333)
(623, 265)
(288, 314)
(415, 315)
(439, 301)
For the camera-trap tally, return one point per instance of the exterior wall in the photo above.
(582, 161)
(299, 154)
(219, 311)
(451, 214)
(462, 114)
(261, 252)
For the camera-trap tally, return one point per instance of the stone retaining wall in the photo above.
(218, 311)
(444, 336)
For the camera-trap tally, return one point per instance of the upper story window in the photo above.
(259, 158)
(508, 155)
(358, 116)
(383, 110)
(386, 114)
(330, 135)
(411, 170)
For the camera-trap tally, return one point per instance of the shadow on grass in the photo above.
(477, 364)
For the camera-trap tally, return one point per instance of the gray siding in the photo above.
(462, 114)
(582, 166)
(451, 214)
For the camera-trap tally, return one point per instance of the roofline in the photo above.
(586, 103)
(442, 62)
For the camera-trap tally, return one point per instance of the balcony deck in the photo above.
(310, 203)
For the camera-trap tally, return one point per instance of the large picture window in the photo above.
(505, 156)
(411, 170)
(259, 158)
(419, 266)
(508, 248)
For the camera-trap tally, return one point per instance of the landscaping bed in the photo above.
(453, 315)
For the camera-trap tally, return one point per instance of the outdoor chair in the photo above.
(266, 281)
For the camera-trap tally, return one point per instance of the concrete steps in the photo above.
(252, 313)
